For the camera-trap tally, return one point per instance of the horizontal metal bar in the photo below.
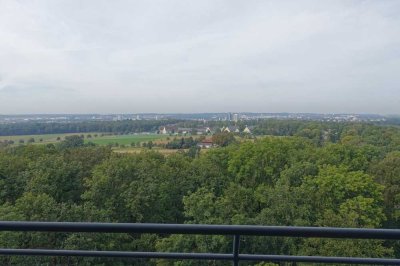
(195, 256)
(325, 232)
(115, 254)
(319, 259)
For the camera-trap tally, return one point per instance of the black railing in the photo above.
(234, 230)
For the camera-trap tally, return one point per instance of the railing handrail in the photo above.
(232, 230)
(202, 229)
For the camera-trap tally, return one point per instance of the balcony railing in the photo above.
(236, 231)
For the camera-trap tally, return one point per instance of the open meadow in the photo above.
(139, 150)
(124, 139)
(45, 138)
(96, 138)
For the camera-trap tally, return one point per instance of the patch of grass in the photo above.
(99, 140)
(124, 139)
(46, 138)
(139, 150)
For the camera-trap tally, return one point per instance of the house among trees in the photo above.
(247, 130)
(184, 130)
(194, 131)
(230, 129)
(168, 129)
(205, 144)
(235, 129)
(203, 131)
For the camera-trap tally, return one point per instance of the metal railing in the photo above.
(233, 230)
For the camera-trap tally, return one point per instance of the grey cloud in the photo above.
(185, 56)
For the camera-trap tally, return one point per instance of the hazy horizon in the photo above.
(100, 57)
(190, 113)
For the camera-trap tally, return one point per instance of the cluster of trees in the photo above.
(353, 181)
(327, 132)
(223, 139)
(181, 143)
(5, 143)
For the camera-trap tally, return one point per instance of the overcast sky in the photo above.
(117, 56)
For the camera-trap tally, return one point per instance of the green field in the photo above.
(46, 138)
(139, 150)
(100, 140)
(124, 139)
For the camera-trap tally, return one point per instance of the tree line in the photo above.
(124, 126)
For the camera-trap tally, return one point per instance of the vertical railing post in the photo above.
(236, 243)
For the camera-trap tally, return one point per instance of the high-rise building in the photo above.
(229, 117)
(235, 117)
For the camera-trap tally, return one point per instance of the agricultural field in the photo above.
(45, 139)
(157, 149)
(125, 139)
(139, 150)
(95, 138)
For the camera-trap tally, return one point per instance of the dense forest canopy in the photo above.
(303, 174)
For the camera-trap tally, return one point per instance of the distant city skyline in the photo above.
(233, 117)
(104, 57)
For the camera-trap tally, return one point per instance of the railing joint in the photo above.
(236, 245)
